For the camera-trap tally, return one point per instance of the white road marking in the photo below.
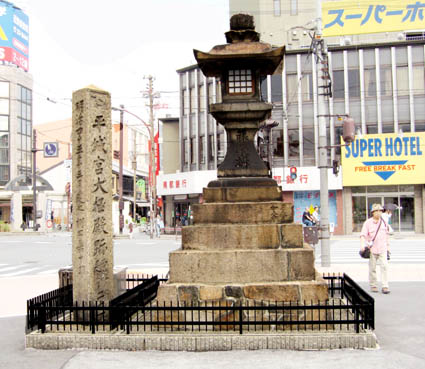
(21, 272)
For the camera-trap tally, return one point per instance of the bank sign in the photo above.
(384, 159)
(371, 16)
(14, 35)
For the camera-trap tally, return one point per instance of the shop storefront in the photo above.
(388, 169)
(178, 192)
(304, 192)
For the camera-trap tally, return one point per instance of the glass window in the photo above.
(211, 93)
(201, 149)
(4, 156)
(294, 7)
(418, 79)
(277, 137)
(353, 83)
(4, 174)
(202, 95)
(240, 82)
(186, 151)
(338, 84)
(386, 81)
(211, 148)
(291, 63)
(193, 102)
(307, 87)
(193, 150)
(276, 88)
(370, 82)
(291, 87)
(220, 147)
(418, 54)
(308, 144)
(4, 123)
(294, 143)
(402, 80)
(4, 106)
(276, 8)
(369, 58)
(401, 55)
(4, 140)
(4, 89)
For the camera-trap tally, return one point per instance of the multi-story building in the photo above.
(289, 22)
(15, 130)
(380, 85)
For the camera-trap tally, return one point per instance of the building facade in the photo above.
(15, 131)
(381, 86)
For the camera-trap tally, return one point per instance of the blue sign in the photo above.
(14, 35)
(51, 149)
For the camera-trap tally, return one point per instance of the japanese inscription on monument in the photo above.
(92, 254)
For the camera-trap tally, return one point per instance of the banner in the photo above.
(371, 16)
(384, 159)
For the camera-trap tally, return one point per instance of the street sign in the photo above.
(51, 149)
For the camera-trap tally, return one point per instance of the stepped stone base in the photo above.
(242, 236)
(315, 291)
(242, 194)
(242, 266)
(243, 212)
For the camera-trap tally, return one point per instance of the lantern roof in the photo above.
(243, 51)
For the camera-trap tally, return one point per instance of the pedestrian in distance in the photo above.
(307, 218)
(386, 216)
(158, 222)
(315, 215)
(375, 235)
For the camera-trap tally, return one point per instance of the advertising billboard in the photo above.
(371, 16)
(14, 35)
(384, 159)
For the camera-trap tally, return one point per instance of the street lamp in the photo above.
(151, 165)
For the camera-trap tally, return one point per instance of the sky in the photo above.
(113, 45)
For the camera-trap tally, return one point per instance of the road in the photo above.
(30, 265)
(45, 255)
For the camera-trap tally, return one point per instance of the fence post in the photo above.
(42, 318)
(92, 318)
(240, 317)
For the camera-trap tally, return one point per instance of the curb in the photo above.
(202, 342)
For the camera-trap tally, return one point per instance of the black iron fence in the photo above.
(349, 308)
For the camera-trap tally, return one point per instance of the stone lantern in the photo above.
(243, 246)
(241, 65)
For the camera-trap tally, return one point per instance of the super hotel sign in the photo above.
(371, 16)
(384, 159)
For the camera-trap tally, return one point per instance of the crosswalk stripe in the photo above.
(20, 272)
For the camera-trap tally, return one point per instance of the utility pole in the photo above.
(322, 76)
(135, 175)
(34, 180)
(152, 165)
(121, 200)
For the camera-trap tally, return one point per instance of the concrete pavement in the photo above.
(399, 329)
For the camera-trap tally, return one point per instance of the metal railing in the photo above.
(348, 308)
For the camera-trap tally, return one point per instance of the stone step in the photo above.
(242, 266)
(242, 194)
(242, 236)
(316, 290)
(275, 212)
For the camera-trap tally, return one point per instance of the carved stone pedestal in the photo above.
(242, 250)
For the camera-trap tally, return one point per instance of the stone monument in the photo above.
(92, 248)
(243, 246)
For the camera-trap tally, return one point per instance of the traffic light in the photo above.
(293, 172)
(335, 167)
(348, 130)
